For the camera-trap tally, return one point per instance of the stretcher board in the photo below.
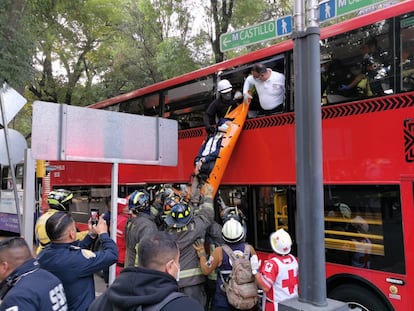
(238, 116)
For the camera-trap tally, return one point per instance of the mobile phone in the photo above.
(94, 216)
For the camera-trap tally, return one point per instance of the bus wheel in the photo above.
(358, 298)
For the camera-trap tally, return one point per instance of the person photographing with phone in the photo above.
(58, 200)
(72, 261)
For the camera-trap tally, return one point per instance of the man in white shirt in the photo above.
(270, 86)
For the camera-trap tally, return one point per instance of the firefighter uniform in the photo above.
(192, 281)
(135, 230)
(30, 288)
(75, 267)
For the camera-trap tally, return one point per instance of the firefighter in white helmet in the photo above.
(277, 276)
(224, 103)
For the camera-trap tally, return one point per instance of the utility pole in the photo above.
(309, 168)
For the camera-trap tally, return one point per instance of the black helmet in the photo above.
(169, 204)
(60, 199)
(139, 201)
(163, 194)
(179, 216)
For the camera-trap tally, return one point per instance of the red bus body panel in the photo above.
(359, 146)
(367, 142)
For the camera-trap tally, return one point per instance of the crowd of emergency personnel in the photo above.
(164, 246)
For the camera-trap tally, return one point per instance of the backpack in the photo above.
(241, 288)
(161, 304)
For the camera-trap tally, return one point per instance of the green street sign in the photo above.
(249, 35)
(282, 26)
(347, 6)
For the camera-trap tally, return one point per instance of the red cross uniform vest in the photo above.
(283, 272)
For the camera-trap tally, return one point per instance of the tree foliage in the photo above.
(88, 50)
(156, 34)
(72, 37)
(16, 46)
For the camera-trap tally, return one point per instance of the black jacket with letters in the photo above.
(30, 288)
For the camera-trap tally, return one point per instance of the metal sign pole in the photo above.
(29, 198)
(114, 214)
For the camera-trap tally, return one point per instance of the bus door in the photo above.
(270, 208)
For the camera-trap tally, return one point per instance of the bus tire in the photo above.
(358, 298)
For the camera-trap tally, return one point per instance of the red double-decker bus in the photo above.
(368, 153)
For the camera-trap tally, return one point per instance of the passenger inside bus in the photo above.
(359, 86)
(371, 72)
(356, 66)
(362, 244)
(407, 68)
(338, 81)
(333, 76)
(269, 86)
(378, 66)
(326, 60)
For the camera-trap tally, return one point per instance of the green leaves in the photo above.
(80, 52)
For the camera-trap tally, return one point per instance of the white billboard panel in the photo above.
(63, 132)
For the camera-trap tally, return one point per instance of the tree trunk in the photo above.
(221, 25)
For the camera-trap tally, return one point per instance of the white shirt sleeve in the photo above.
(248, 83)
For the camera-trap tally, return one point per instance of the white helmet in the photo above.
(232, 231)
(224, 86)
(281, 242)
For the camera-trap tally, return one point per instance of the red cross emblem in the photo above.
(290, 282)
